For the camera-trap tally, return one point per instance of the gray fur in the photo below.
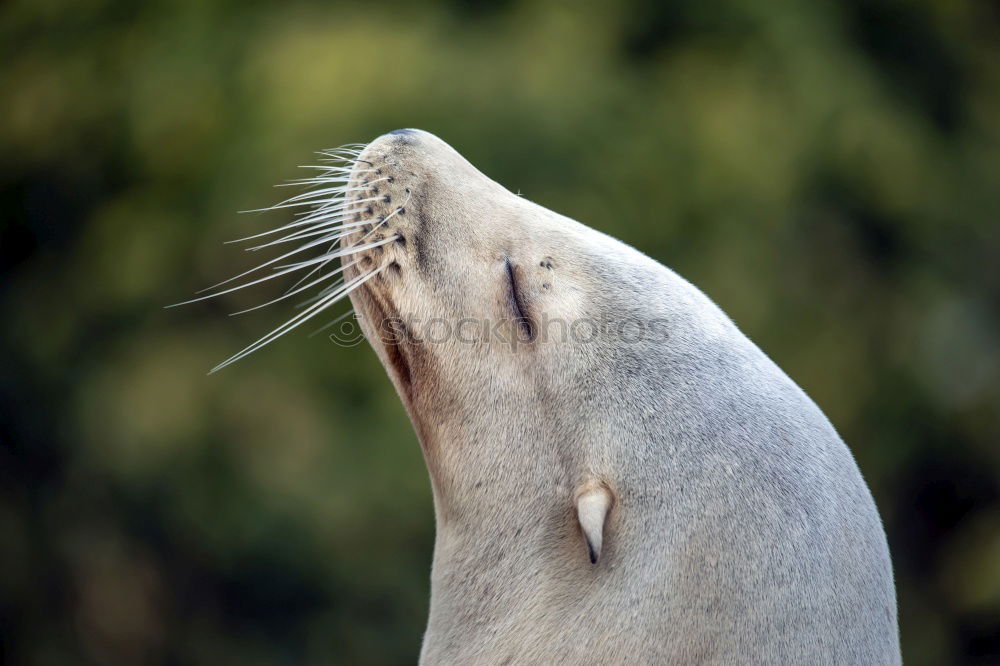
(742, 531)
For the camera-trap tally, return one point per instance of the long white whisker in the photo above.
(318, 241)
(320, 193)
(351, 149)
(338, 178)
(300, 318)
(327, 215)
(339, 155)
(327, 167)
(320, 266)
(323, 181)
(286, 271)
(323, 291)
(339, 203)
(319, 229)
(327, 203)
(338, 158)
(319, 180)
(353, 249)
(312, 299)
(332, 323)
(337, 217)
(288, 294)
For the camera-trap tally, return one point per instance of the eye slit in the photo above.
(517, 305)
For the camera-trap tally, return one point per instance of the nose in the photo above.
(403, 137)
(394, 145)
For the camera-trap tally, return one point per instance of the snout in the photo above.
(389, 181)
(383, 190)
(410, 184)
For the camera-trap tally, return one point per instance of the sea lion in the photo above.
(671, 499)
(653, 492)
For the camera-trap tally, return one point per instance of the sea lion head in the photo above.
(500, 322)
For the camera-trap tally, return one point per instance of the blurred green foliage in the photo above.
(828, 172)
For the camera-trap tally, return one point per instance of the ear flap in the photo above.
(593, 502)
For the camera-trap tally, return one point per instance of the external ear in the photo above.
(593, 501)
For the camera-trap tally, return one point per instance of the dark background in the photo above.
(828, 172)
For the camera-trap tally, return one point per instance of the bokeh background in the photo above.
(828, 172)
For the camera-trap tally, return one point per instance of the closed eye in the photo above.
(517, 305)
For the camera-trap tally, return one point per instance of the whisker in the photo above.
(332, 246)
(357, 224)
(327, 167)
(332, 323)
(353, 249)
(310, 232)
(332, 206)
(322, 181)
(302, 248)
(288, 294)
(312, 299)
(338, 157)
(340, 203)
(320, 193)
(300, 318)
(276, 274)
(341, 215)
(314, 270)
